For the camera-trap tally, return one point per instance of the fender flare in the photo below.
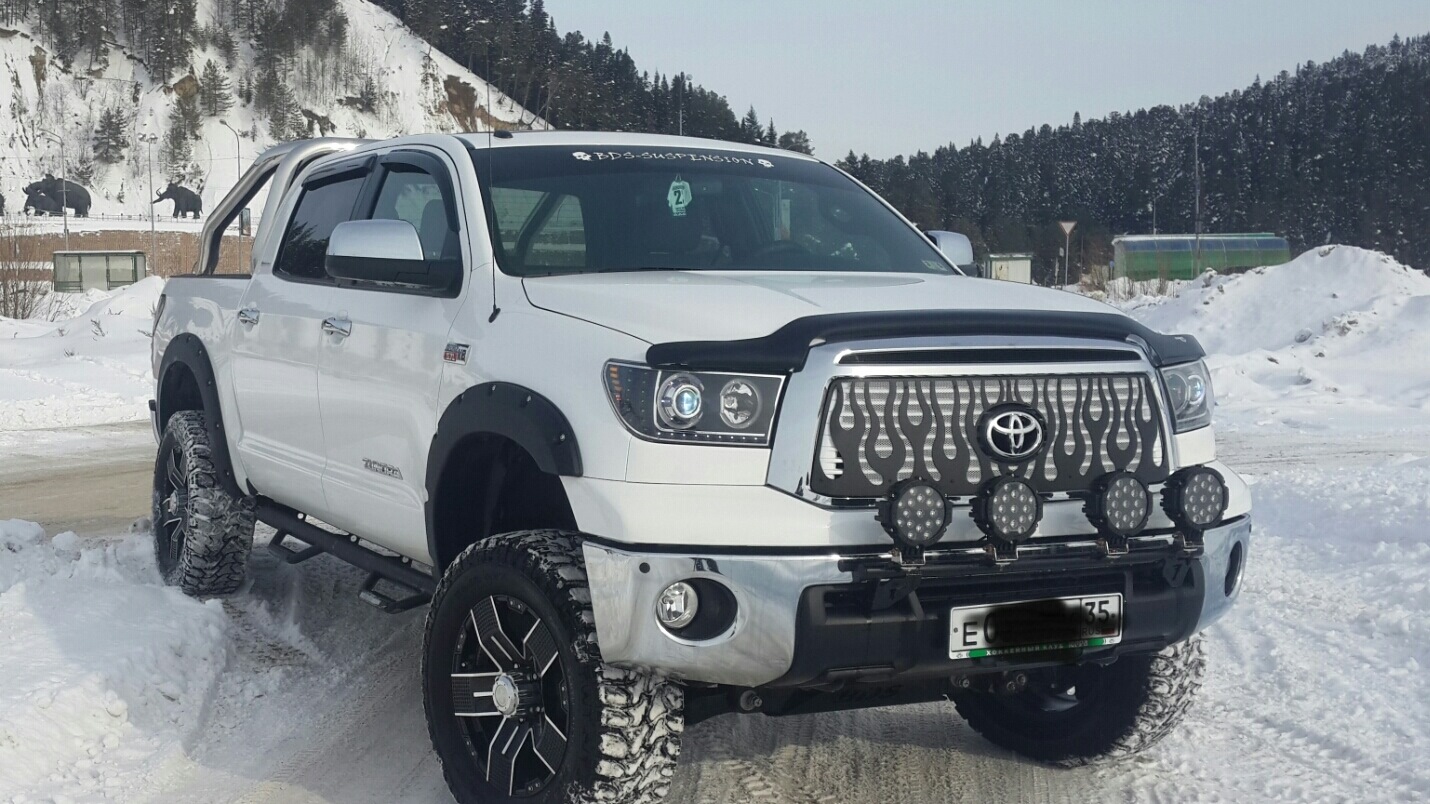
(527, 418)
(188, 351)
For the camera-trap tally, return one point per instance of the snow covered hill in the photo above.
(383, 81)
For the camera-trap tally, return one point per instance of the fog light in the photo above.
(1119, 506)
(1008, 510)
(1233, 570)
(677, 605)
(1195, 498)
(915, 513)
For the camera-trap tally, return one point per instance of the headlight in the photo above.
(682, 401)
(689, 406)
(1189, 395)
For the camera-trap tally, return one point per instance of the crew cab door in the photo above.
(378, 385)
(277, 339)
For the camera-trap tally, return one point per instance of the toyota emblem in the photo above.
(1012, 433)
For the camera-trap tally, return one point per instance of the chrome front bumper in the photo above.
(759, 647)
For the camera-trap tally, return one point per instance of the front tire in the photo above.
(202, 534)
(1092, 713)
(519, 705)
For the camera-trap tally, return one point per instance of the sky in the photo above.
(898, 76)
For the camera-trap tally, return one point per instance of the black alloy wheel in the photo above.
(511, 696)
(171, 526)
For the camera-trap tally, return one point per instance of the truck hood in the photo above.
(665, 306)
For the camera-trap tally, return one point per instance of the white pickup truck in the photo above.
(666, 428)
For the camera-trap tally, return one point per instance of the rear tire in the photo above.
(202, 534)
(1113, 712)
(578, 729)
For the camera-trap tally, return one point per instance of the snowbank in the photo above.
(1336, 328)
(90, 365)
(106, 670)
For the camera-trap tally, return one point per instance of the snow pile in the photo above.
(1337, 329)
(106, 670)
(89, 366)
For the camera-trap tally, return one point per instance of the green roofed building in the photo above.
(1140, 257)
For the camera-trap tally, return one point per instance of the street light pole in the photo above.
(148, 140)
(238, 160)
(64, 186)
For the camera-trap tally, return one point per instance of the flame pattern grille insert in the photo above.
(879, 431)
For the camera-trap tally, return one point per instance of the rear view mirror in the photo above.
(956, 247)
(387, 252)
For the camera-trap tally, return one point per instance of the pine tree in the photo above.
(216, 90)
(177, 151)
(798, 141)
(186, 116)
(227, 46)
(110, 137)
(750, 129)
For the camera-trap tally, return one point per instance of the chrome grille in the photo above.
(878, 431)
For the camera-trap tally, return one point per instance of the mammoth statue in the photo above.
(37, 203)
(65, 192)
(185, 200)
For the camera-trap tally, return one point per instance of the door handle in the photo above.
(340, 327)
(248, 316)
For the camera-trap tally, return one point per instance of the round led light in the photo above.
(677, 605)
(681, 401)
(739, 404)
(1195, 498)
(1008, 510)
(1120, 505)
(915, 513)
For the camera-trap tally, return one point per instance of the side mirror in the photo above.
(387, 252)
(956, 247)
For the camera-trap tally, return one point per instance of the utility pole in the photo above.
(1197, 206)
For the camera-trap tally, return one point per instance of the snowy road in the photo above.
(1315, 690)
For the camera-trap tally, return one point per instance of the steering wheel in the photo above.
(777, 248)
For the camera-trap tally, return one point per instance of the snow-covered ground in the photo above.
(292, 690)
(86, 361)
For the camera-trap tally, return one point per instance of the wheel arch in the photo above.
(495, 465)
(186, 382)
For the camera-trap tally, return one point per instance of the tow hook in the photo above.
(1010, 682)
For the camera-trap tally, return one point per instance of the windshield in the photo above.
(562, 210)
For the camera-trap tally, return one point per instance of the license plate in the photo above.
(1060, 623)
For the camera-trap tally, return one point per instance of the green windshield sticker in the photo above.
(679, 197)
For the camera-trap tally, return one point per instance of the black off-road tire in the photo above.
(624, 726)
(1137, 701)
(215, 529)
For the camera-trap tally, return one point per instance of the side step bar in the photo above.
(380, 567)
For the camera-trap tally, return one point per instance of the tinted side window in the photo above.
(320, 209)
(415, 197)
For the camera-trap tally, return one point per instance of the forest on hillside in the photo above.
(575, 83)
(1330, 153)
